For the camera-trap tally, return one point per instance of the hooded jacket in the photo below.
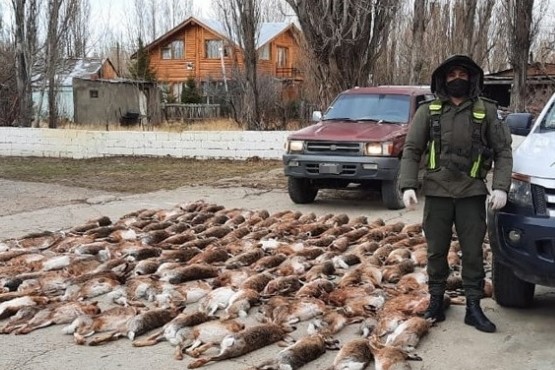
(456, 124)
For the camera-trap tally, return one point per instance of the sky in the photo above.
(102, 9)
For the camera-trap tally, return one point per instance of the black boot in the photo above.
(435, 309)
(475, 317)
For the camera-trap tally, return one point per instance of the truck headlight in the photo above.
(520, 192)
(295, 146)
(380, 149)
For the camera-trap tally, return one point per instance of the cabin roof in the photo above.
(267, 32)
(69, 68)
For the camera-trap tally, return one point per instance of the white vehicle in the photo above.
(522, 234)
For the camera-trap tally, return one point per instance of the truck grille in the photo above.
(346, 169)
(336, 148)
(544, 200)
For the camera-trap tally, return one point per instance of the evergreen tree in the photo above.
(140, 67)
(190, 93)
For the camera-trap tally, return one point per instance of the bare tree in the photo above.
(60, 14)
(242, 21)
(519, 21)
(419, 23)
(344, 40)
(25, 32)
(173, 12)
(77, 38)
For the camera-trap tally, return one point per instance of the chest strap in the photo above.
(478, 150)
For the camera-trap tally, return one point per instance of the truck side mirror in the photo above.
(519, 123)
(316, 116)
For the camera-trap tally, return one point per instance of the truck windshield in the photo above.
(370, 107)
(548, 122)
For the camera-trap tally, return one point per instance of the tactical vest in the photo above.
(480, 153)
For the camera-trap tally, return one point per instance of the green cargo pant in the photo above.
(469, 217)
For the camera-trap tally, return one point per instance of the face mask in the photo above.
(458, 88)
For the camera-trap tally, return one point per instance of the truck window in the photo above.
(371, 107)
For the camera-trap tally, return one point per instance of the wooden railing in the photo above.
(283, 72)
(190, 112)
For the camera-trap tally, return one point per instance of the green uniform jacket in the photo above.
(456, 142)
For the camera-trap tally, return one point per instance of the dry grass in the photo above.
(172, 126)
(221, 124)
(142, 174)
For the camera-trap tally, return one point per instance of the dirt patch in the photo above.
(143, 174)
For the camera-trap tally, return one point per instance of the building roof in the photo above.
(534, 69)
(67, 69)
(267, 32)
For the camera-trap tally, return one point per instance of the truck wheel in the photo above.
(301, 191)
(392, 196)
(508, 289)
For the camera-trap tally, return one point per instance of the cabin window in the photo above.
(264, 52)
(212, 49)
(173, 50)
(93, 94)
(282, 57)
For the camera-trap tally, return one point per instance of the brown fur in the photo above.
(207, 335)
(59, 313)
(249, 340)
(415, 303)
(240, 303)
(323, 269)
(268, 262)
(392, 358)
(231, 278)
(245, 259)
(282, 285)
(298, 310)
(111, 320)
(407, 335)
(190, 272)
(11, 307)
(353, 353)
(316, 288)
(211, 255)
(363, 274)
(257, 282)
(173, 331)
(393, 273)
(302, 352)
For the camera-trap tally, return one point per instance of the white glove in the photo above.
(498, 199)
(409, 198)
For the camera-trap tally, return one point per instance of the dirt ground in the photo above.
(135, 175)
(523, 340)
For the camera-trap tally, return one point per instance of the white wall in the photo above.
(38, 142)
(192, 144)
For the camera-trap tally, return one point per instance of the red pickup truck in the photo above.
(357, 142)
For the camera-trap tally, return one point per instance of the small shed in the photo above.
(540, 81)
(66, 71)
(100, 101)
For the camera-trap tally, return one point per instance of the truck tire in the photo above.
(508, 289)
(392, 197)
(301, 191)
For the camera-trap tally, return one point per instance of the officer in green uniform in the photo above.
(461, 136)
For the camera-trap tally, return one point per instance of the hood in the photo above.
(440, 74)
(349, 131)
(535, 156)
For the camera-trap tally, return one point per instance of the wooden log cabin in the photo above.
(202, 50)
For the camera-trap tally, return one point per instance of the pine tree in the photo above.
(190, 93)
(140, 67)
